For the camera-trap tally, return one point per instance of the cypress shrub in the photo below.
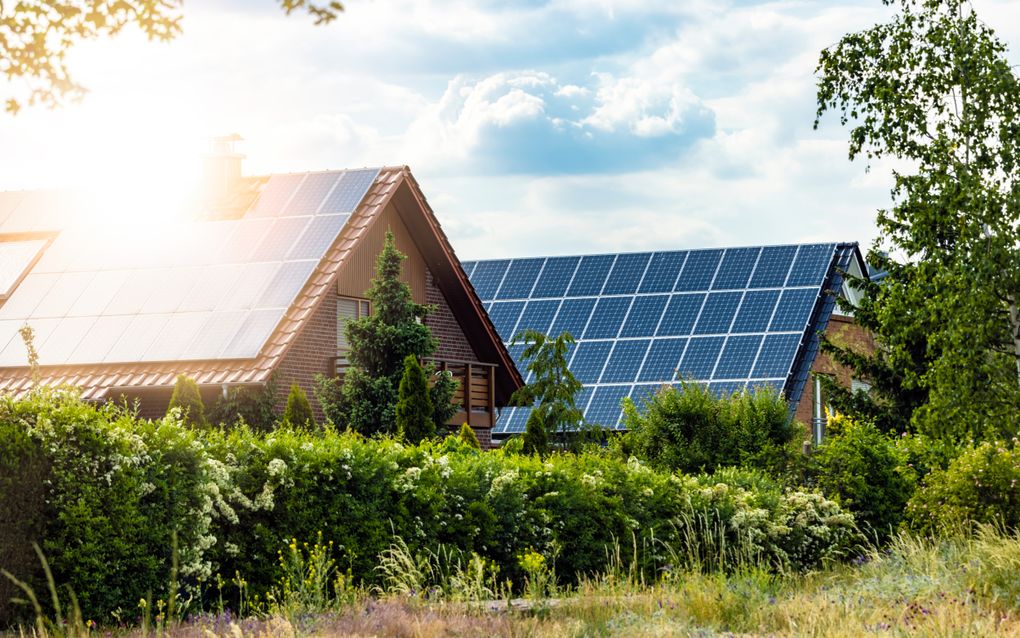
(414, 405)
(468, 437)
(187, 397)
(299, 410)
(536, 438)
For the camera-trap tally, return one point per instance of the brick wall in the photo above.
(444, 325)
(841, 330)
(310, 354)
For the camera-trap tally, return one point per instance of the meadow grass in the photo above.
(966, 585)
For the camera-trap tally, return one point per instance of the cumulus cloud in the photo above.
(528, 122)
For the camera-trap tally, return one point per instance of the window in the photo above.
(348, 309)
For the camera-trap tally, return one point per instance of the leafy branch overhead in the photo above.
(36, 36)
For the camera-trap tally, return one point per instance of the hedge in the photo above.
(117, 489)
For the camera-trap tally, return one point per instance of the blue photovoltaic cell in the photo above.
(591, 275)
(282, 235)
(310, 194)
(663, 360)
(717, 315)
(737, 357)
(488, 275)
(772, 385)
(275, 194)
(644, 316)
(607, 318)
(700, 357)
(583, 397)
(318, 236)
(663, 271)
(349, 191)
(643, 393)
(735, 269)
(516, 351)
(680, 315)
(572, 318)
(625, 361)
(755, 311)
(626, 274)
(504, 316)
(555, 277)
(589, 359)
(725, 388)
(520, 278)
(699, 270)
(604, 408)
(794, 309)
(811, 266)
(750, 308)
(776, 356)
(773, 266)
(538, 315)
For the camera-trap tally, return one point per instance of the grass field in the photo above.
(969, 586)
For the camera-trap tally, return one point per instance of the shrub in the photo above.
(468, 437)
(255, 407)
(414, 406)
(536, 437)
(299, 410)
(982, 485)
(118, 489)
(187, 398)
(867, 473)
(690, 429)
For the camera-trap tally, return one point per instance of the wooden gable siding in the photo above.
(355, 277)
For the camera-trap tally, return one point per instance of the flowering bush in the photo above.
(117, 489)
(982, 485)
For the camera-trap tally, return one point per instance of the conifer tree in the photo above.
(414, 406)
(298, 410)
(467, 435)
(187, 397)
(366, 399)
(536, 437)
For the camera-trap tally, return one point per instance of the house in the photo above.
(257, 285)
(731, 318)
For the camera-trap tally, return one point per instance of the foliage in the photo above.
(188, 400)
(27, 334)
(896, 368)
(414, 405)
(366, 398)
(690, 429)
(933, 89)
(468, 437)
(116, 492)
(298, 411)
(551, 395)
(979, 486)
(254, 407)
(867, 473)
(536, 437)
(118, 489)
(35, 38)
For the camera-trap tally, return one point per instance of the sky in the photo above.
(534, 127)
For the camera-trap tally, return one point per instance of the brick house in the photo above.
(259, 284)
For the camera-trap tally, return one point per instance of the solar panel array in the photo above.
(193, 291)
(732, 318)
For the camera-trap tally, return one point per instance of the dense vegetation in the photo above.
(109, 495)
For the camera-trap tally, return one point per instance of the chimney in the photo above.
(222, 169)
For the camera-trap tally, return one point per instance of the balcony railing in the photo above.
(476, 389)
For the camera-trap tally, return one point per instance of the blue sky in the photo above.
(534, 127)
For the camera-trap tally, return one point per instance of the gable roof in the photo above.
(731, 318)
(218, 300)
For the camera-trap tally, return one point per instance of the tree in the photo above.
(35, 37)
(187, 397)
(298, 410)
(366, 398)
(414, 406)
(551, 395)
(932, 88)
(253, 406)
(467, 436)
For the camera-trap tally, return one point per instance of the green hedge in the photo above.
(118, 489)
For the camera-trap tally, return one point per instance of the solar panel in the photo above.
(730, 318)
(275, 195)
(15, 259)
(348, 192)
(311, 193)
